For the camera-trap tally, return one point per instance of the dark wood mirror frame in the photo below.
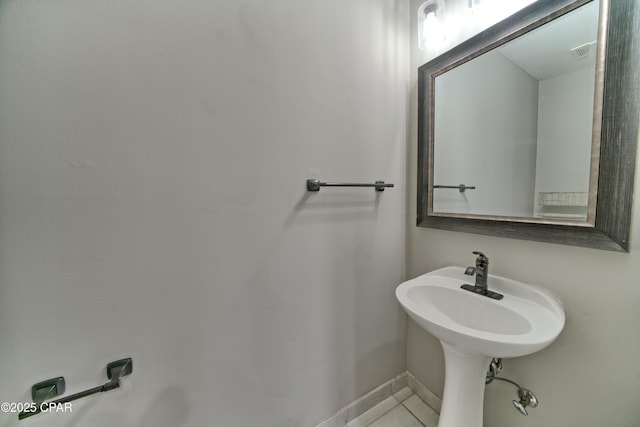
(618, 129)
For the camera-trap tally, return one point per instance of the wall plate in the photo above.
(119, 368)
(47, 389)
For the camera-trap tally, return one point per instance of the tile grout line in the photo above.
(354, 409)
(382, 414)
(413, 414)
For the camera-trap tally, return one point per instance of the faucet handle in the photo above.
(481, 257)
(480, 254)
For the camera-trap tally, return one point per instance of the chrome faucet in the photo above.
(481, 271)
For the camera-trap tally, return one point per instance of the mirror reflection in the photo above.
(514, 126)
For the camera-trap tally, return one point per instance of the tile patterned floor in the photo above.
(403, 409)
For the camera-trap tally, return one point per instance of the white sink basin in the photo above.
(526, 320)
(473, 328)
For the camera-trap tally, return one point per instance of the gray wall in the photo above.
(485, 126)
(153, 156)
(564, 148)
(590, 375)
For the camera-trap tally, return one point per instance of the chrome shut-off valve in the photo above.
(527, 398)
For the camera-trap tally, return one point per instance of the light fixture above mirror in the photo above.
(430, 28)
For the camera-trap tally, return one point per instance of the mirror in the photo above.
(520, 133)
(525, 109)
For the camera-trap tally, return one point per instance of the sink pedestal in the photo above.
(464, 382)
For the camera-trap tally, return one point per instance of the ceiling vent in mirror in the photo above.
(582, 51)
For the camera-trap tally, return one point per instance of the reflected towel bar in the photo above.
(462, 188)
(315, 184)
(115, 370)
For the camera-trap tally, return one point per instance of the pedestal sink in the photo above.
(473, 329)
